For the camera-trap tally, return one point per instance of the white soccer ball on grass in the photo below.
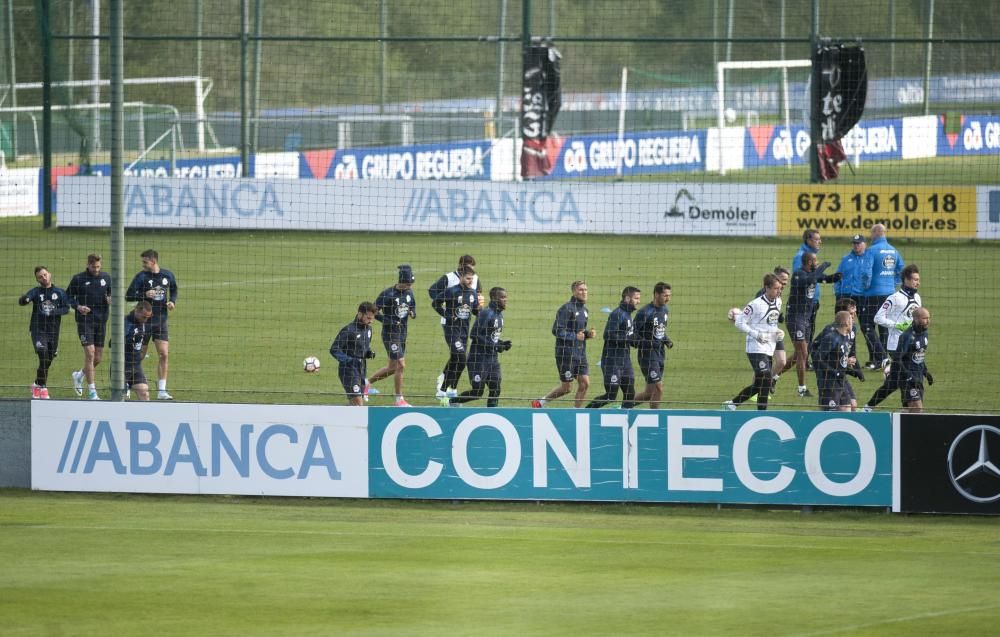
(311, 364)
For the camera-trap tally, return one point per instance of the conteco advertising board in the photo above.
(438, 206)
(654, 456)
(779, 458)
(291, 450)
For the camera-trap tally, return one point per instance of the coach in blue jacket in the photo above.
(856, 267)
(886, 263)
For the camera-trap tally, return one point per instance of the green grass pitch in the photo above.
(253, 304)
(78, 564)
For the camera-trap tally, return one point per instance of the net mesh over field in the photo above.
(381, 133)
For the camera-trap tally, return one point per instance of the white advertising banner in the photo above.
(988, 212)
(443, 206)
(18, 192)
(287, 450)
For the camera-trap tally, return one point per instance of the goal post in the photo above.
(720, 79)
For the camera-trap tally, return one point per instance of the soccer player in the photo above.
(456, 305)
(135, 332)
(780, 358)
(801, 316)
(352, 348)
(396, 306)
(896, 315)
(616, 357)
(811, 243)
(159, 287)
(759, 321)
(845, 304)
(90, 292)
(49, 303)
(438, 288)
(651, 342)
(833, 362)
(484, 362)
(911, 353)
(571, 332)
(887, 268)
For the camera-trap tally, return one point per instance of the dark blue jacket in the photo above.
(134, 333)
(49, 306)
(797, 261)
(619, 336)
(352, 345)
(163, 283)
(92, 291)
(486, 334)
(570, 319)
(396, 308)
(829, 353)
(911, 351)
(651, 329)
(804, 293)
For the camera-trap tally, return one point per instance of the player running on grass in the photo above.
(159, 287)
(487, 344)
(49, 303)
(571, 332)
(396, 306)
(616, 357)
(352, 349)
(90, 291)
(759, 321)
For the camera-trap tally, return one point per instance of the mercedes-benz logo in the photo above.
(972, 472)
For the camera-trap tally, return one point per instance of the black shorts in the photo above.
(798, 326)
(652, 368)
(484, 371)
(570, 367)
(911, 391)
(134, 375)
(92, 332)
(761, 363)
(618, 374)
(780, 346)
(45, 342)
(835, 394)
(395, 349)
(156, 330)
(457, 339)
(353, 381)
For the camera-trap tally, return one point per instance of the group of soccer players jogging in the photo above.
(88, 295)
(473, 334)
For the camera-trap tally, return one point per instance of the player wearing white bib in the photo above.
(759, 321)
(896, 314)
(445, 282)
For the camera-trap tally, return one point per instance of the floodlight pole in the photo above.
(116, 15)
(244, 98)
(46, 34)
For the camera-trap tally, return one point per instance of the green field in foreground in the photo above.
(252, 305)
(80, 564)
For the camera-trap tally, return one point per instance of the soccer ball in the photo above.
(733, 313)
(311, 364)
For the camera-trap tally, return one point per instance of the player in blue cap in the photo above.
(396, 306)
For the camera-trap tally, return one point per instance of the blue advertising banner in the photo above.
(788, 458)
(463, 160)
(638, 154)
(976, 135)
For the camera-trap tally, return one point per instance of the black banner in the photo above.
(842, 75)
(949, 464)
(541, 101)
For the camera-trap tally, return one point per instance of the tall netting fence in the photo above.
(283, 159)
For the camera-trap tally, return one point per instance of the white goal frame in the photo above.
(720, 83)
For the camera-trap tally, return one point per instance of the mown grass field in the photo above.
(252, 305)
(80, 564)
